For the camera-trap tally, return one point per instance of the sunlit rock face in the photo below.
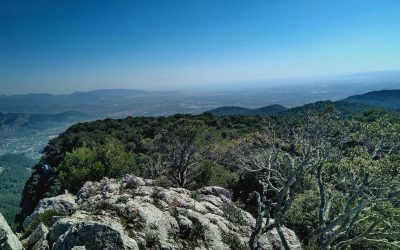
(133, 213)
(8, 240)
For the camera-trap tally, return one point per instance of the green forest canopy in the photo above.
(154, 148)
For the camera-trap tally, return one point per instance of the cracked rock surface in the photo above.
(133, 213)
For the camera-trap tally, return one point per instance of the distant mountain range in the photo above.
(387, 99)
(92, 102)
(118, 103)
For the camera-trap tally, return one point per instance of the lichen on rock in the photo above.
(133, 213)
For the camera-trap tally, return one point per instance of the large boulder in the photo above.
(91, 233)
(37, 240)
(60, 205)
(132, 213)
(8, 240)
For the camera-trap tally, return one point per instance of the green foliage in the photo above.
(153, 147)
(233, 214)
(89, 151)
(233, 241)
(213, 174)
(302, 217)
(15, 170)
(78, 167)
(86, 164)
(47, 216)
(267, 110)
(116, 160)
(385, 98)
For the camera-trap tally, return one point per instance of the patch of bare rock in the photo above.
(133, 213)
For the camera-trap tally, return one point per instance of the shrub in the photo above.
(233, 214)
(47, 217)
(233, 241)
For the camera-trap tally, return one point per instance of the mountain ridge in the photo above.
(234, 110)
(387, 99)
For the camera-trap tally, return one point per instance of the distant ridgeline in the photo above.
(385, 99)
(389, 99)
(87, 102)
(267, 110)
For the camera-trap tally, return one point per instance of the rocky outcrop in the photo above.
(92, 232)
(38, 238)
(133, 213)
(62, 205)
(8, 240)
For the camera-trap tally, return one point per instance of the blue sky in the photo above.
(62, 46)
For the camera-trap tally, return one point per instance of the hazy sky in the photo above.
(59, 46)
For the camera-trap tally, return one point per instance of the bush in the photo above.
(212, 174)
(233, 241)
(47, 217)
(233, 214)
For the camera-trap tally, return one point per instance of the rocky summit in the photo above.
(134, 213)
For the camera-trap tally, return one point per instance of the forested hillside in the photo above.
(14, 124)
(14, 172)
(267, 110)
(28, 134)
(343, 107)
(352, 105)
(385, 98)
(332, 178)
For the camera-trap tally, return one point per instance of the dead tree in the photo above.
(156, 166)
(185, 145)
(280, 162)
(368, 176)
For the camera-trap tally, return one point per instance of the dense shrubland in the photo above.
(333, 179)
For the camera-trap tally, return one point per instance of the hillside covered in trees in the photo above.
(14, 172)
(232, 110)
(332, 178)
(352, 105)
(389, 99)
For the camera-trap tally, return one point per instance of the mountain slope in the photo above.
(267, 110)
(29, 133)
(15, 171)
(39, 121)
(389, 99)
(344, 108)
(93, 102)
